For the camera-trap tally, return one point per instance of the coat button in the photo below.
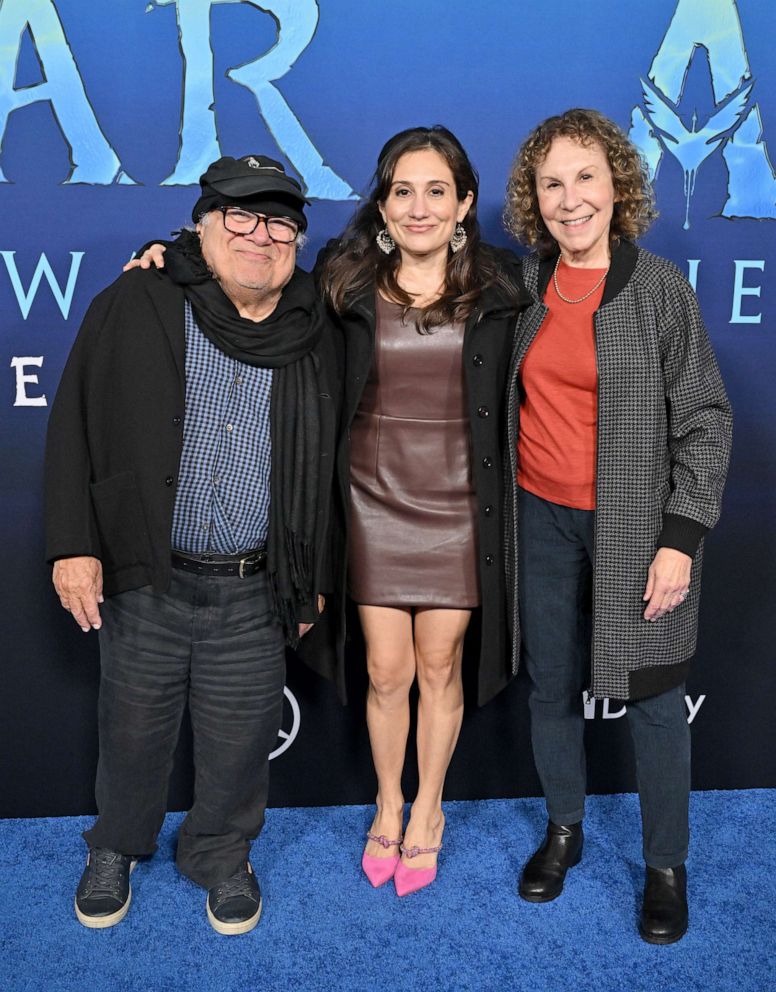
(489, 559)
(176, 420)
(478, 360)
(487, 462)
(488, 510)
(483, 411)
(169, 480)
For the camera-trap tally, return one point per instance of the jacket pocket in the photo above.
(118, 510)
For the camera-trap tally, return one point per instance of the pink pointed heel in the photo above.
(408, 879)
(380, 870)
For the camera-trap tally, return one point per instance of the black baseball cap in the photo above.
(254, 182)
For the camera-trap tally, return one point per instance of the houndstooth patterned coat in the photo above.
(664, 434)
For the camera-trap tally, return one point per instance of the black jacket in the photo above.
(116, 431)
(487, 347)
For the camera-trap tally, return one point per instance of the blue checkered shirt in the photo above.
(222, 502)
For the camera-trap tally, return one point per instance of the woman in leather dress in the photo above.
(427, 313)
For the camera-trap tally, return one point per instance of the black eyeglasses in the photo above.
(281, 229)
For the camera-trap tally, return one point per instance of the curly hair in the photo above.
(357, 262)
(634, 209)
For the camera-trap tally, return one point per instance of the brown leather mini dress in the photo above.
(413, 506)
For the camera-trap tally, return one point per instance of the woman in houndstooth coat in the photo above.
(617, 474)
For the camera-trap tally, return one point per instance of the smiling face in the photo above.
(249, 267)
(422, 205)
(575, 190)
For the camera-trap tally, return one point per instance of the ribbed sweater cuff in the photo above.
(681, 533)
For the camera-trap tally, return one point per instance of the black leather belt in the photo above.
(248, 563)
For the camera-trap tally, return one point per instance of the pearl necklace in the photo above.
(588, 293)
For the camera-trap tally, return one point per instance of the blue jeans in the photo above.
(212, 643)
(555, 566)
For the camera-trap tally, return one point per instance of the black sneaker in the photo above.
(104, 893)
(234, 906)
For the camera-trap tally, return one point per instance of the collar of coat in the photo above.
(624, 257)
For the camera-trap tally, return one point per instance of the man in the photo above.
(188, 465)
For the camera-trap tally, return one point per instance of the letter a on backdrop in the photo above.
(734, 124)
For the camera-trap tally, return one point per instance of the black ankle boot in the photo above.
(663, 917)
(543, 875)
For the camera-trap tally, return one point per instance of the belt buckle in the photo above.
(240, 570)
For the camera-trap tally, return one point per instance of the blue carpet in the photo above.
(325, 928)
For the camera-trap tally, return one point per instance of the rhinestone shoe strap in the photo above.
(383, 841)
(413, 852)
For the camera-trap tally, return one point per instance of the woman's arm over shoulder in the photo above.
(152, 252)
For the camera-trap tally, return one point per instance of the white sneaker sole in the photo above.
(231, 929)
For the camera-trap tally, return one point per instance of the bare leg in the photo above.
(390, 659)
(439, 638)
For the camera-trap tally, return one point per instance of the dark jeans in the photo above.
(211, 642)
(555, 549)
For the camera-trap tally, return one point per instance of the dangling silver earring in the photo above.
(385, 242)
(458, 239)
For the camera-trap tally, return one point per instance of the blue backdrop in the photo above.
(108, 114)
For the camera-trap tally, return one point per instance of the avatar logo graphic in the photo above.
(291, 716)
(734, 123)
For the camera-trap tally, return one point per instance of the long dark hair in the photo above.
(357, 262)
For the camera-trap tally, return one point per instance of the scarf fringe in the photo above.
(285, 614)
(299, 574)
(300, 563)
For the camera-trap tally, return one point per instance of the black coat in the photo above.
(487, 346)
(116, 433)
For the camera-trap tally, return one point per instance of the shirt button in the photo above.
(169, 480)
(478, 360)
(488, 510)
(487, 462)
(176, 420)
(489, 559)
(483, 411)
(216, 479)
(205, 526)
(238, 380)
(229, 428)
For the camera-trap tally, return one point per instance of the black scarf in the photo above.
(282, 341)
